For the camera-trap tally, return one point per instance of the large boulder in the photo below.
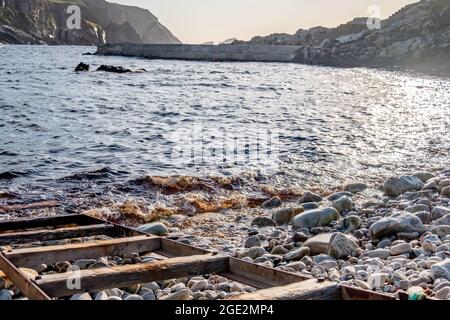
(315, 218)
(341, 246)
(284, 216)
(395, 186)
(397, 223)
(81, 67)
(318, 244)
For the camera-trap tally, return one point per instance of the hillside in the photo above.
(416, 37)
(45, 22)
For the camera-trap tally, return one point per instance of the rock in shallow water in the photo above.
(82, 67)
(315, 218)
(155, 228)
(396, 186)
(114, 69)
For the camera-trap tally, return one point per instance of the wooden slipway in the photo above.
(176, 260)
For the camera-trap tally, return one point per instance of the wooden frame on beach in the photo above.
(175, 260)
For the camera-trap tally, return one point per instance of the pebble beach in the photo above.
(387, 238)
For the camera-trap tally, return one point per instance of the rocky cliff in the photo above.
(415, 37)
(45, 22)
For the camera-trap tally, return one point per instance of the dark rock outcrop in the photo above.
(81, 67)
(45, 22)
(113, 69)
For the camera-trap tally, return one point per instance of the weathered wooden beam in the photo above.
(30, 223)
(25, 284)
(260, 277)
(170, 248)
(122, 276)
(31, 257)
(35, 205)
(57, 234)
(306, 290)
(352, 293)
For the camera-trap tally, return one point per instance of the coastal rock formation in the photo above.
(416, 37)
(45, 22)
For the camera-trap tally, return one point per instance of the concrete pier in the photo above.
(243, 53)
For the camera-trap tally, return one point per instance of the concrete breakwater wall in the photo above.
(244, 53)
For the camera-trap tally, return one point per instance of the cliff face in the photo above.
(45, 22)
(416, 37)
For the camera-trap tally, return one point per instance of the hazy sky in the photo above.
(198, 21)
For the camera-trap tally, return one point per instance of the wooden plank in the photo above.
(122, 276)
(30, 223)
(31, 257)
(260, 277)
(170, 248)
(56, 234)
(35, 205)
(306, 290)
(26, 285)
(353, 293)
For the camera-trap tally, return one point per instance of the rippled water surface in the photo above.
(333, 124)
